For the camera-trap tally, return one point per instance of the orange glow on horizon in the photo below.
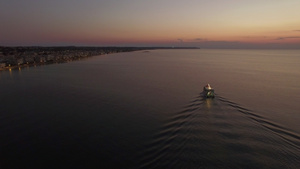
(152, 23)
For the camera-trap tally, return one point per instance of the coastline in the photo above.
(19, 57)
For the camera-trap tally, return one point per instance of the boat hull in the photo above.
(209, 93)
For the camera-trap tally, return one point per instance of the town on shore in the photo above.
(16, 57)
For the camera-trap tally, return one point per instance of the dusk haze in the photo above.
(199, 23)
(148, 84)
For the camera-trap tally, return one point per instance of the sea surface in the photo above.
(145, 109)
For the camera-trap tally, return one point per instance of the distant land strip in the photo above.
(17, 57)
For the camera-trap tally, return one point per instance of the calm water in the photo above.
(146, 110)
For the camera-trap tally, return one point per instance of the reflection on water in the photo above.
(10, 72)
(208, 102)
(128, 110)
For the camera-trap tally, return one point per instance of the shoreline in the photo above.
(19, 57)
(37, 64)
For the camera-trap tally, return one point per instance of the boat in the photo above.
(208, 91)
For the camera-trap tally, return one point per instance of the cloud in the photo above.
(248, 37)
(210, 44)
(180, 40)
(213, 44)
(188, 41)
(288, 37)
(199, 39)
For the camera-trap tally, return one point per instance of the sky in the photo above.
(197, 23)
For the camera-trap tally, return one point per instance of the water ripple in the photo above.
(219, 133)
(286, 134)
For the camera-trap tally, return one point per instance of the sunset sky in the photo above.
(200, 23)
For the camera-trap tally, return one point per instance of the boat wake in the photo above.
(219, 133)
(289, 136)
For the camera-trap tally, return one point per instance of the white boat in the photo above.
(208, 91)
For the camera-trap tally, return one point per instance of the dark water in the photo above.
(146, 110)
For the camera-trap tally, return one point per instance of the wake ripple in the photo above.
(289, 136)
(219, 133)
